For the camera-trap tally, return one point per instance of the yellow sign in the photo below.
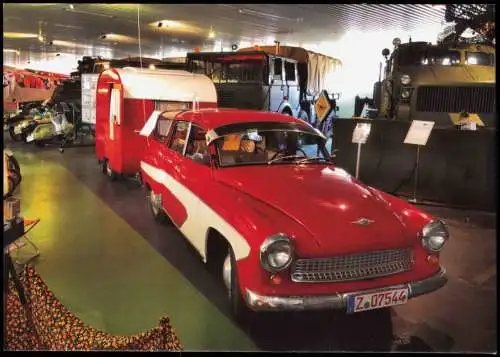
(323, 106)
(458, 119)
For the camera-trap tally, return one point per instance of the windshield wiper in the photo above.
(315, 159)
(284, 157)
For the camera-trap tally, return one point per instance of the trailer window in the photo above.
(290, 71)
(179, 136)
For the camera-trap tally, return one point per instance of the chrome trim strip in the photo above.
(258, 302)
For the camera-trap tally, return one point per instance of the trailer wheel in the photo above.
(109, 172)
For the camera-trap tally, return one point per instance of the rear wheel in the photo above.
(239, 308)
(156, 205)
(109, 171)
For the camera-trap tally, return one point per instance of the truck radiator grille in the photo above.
(456, 99)
(352, 267)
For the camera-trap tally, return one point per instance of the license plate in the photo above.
(378, 300)
(17, 130)
(29, 138)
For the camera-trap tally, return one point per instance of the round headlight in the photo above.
(434, 236)
(405, 79)
(405, 93)
(276, 253)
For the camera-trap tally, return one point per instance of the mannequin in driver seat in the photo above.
(249, 152)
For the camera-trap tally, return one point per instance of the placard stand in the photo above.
(418, 134)
(415, 180)
(358, 157)
(360, 136)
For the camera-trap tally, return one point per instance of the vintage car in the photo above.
(257, 195)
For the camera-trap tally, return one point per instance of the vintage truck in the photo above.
(280, 79)
(441, 83)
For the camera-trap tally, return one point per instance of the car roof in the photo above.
(213, 118)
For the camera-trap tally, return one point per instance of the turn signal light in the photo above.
(433, 259)
(275, 279)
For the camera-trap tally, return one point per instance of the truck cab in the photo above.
(284, 80)
(439, 83)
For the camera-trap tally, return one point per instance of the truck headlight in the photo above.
(405, 79)
(405, 93)
(434, 236)
(276, 253)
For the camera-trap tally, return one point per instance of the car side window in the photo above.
(163, 129)
(178, 141)
(197, 148)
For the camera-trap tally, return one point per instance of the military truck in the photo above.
(281, 79)
(437, 82)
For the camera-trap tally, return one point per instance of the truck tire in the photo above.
(303, 116)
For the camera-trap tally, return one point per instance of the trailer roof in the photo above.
(169, 85)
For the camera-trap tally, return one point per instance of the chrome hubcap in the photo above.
(226, 274)
(155, 201)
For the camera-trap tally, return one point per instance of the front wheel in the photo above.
(239, 308)
(155, 203)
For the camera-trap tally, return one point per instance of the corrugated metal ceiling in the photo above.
(231, 23)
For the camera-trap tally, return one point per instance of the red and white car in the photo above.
(257, 195)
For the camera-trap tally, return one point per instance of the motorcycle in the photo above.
(59, 130)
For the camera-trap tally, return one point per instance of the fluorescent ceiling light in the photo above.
(11, 51)
(19, 35)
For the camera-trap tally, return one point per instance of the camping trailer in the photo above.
(127, 97)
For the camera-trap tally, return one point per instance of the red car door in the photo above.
(193, 175)
(173, 185)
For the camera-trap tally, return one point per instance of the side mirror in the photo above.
(336, 109)
(386, 52)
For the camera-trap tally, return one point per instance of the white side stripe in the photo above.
(200, 217)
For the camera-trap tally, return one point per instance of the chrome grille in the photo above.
(352, 267)
(456, 99)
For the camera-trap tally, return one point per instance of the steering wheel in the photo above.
(282, 151)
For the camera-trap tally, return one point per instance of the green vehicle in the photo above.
(444, 83)
(438, 83)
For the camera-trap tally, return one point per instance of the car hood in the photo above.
(325, 201)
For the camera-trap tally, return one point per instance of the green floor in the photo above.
(106, 273)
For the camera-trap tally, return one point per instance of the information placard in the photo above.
(419, 132)
(89, 92)
(361, 133)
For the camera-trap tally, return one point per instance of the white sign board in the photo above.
(419, 132)
(89, 92)
(361, 133)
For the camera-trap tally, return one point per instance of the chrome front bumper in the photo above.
(258, 302)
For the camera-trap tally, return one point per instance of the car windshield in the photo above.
(424, 56)
(269, 147)
(231, 69)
